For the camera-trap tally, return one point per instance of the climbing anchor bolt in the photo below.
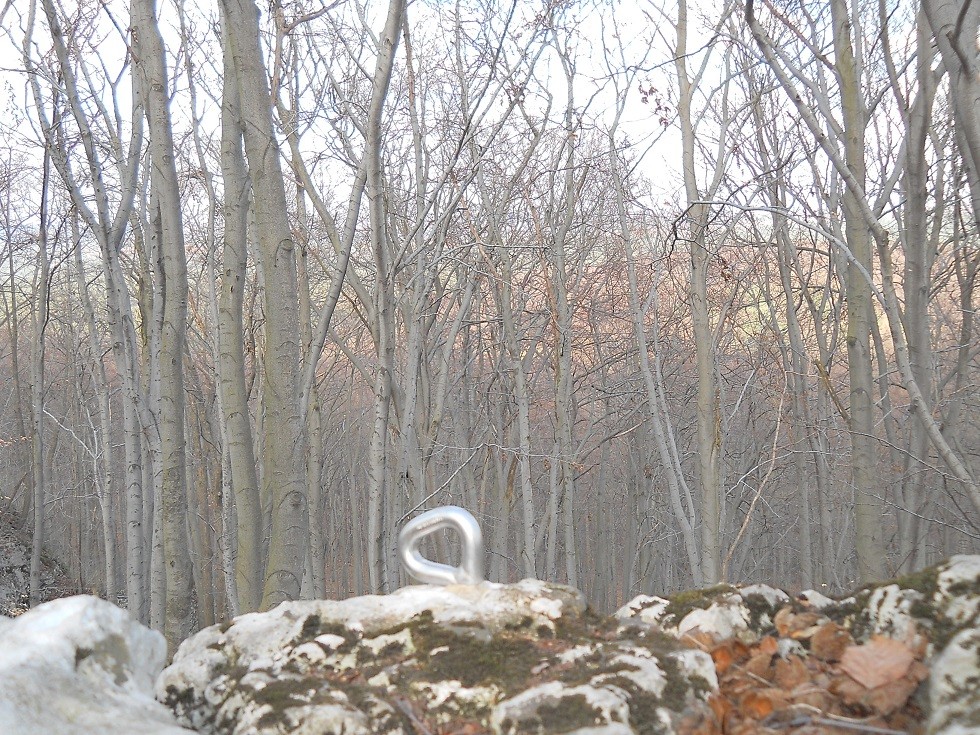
(470, 569)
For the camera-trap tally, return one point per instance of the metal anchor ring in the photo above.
(470, 570)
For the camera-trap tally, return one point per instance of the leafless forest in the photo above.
(665, 294)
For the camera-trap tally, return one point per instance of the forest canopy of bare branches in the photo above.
(665, 294)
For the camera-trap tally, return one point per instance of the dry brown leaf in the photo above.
(760, 665)
(797, 625)
(728, 653)
(879, 661)
(731, 722)
(830, 641)
(720, 706)
(891, 696)
(918, 672)
(782, 621)
(697, 638)
(767, 645)
(737, 727)
(790, 673)
(812, 696)
(848, 690)
(723, 658)
(757, 704)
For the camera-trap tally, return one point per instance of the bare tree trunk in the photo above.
(42, 283)
(920, 248)
(165, 212)
(232, 385)
(313, 578)
(109, 229)
(676, 482)
(105, 475)
(709, 437)
(860, 312)
(955, 25)
(284, 440)
(13, 325)
(384, 308)
(523, 401)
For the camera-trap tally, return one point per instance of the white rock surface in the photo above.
(955, 691)
(890, 612)
(720, 612)
(645, 608)
(954, 683)
(721, 621)
(427, 659)
(80, 666)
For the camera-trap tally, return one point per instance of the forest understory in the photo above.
(666, 294)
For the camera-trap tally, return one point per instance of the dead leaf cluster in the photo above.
(812, 678)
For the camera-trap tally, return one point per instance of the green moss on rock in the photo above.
(682, 603)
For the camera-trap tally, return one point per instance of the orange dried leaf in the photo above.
(697, 638)
(797, 625)
(791, 672)
(848, 690)
(723, 658)
(918, 672)
(720, 706)
(879, 661)
(767, 645)
(812, 696)
(891, 696)
(730, 652)
(760, 665)
(757, 705)
(782, 621)
(830, 642)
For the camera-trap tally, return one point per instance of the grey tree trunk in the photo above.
(105, 474)
(383, 306)
(40, 312)
(283, 440)
(109, 229)
(920, 248)
(179, 613)
(709, 420)
(955, 25)
(232, 385)
(868, 506)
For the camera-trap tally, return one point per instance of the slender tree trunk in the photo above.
(109, 229)
(708, 412)
(13, 325)
(676, 482)
(868, 515)
(919, 249)
(955, 25)
(105, 474)
(232, 386)
(523, 401)
(284, 440)
(42, 283)
(150, 56)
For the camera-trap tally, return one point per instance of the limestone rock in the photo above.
(80, 665)
(521, 658)
(720, 612)
(954, 691)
